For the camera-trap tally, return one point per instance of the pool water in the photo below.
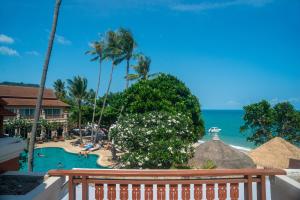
(58, 158)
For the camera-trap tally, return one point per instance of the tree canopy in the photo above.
(266, 122)
(164, 93)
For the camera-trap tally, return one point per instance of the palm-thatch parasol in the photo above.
(222, 155)
(275, 153)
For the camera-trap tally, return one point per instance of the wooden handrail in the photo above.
(167, 173)
(227, 181)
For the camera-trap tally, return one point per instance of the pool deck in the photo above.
(104, 159)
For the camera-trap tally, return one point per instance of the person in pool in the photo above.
(40, 155)
(60, 165)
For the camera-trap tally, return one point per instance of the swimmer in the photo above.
(40, 155)
(59, 165)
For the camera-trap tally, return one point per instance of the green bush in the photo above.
(164, 93)
(154, 139)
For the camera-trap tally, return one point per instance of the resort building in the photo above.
(19, 102)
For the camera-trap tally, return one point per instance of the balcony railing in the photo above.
(54, 116)
(169, 184)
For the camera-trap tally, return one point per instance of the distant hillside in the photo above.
(19, 84)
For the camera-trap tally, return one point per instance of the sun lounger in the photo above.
(95, 148)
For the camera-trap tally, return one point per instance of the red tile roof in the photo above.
(26, 96)
(24, 92)
(32, 102)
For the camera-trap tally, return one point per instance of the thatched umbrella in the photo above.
(275, 153)
(222, 155)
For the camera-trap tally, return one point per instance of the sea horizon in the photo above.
(229, 121)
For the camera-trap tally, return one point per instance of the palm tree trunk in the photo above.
(127, 73)
(79, 120)
(95, 100)
(42, 86)
(106, 94)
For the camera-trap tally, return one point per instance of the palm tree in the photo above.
(78, 90)
(142, 68)
(112, 52)
(97, 52)
(60, 90)
(42, 87)
(128, 45)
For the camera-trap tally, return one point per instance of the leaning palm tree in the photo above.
(42, 87)
(128, 45)
(113, 52)
(59, 88)
(78, 91)
(142, 68)
(97, 53)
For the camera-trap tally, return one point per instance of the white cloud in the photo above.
(6, 39)
(8, 51)
(32, 53)
(62, 40)
(217, 5)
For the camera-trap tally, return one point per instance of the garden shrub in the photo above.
(154, 139)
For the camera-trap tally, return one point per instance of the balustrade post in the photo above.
(72, 188)
(248, 188)
(85, 189)
(261, 188)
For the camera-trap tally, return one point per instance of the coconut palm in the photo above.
(97, 53)
(113, 52)
(142, 68)
(128, 45)
(42, 86)
(78, 91)
(59, 88)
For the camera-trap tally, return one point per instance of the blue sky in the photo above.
(229, 53)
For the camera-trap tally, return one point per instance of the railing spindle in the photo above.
(261, 188)
(72, 188)
(248, 188)
(85, 190)
(234, 191)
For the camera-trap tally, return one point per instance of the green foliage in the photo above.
(142, 68)
(112, 109)
(164, 93)
(266, 122)
(60, 89)
(19, 84)
(209, 164)
(154, 139)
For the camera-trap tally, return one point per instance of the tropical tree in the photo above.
(112, 52)
(97, 53)
(60, 89)
(265, 122)
(127, 45)
(142, 68)
(78, 91)
(42, 86)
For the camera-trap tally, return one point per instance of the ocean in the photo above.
(229, 121)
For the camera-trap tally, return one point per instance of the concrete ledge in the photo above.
(51, 188)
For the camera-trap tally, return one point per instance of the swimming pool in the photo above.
(58, 158)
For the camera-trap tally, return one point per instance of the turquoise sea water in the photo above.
(52, 156)
(229, 121)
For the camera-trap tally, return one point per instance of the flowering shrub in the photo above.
(154, 139)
